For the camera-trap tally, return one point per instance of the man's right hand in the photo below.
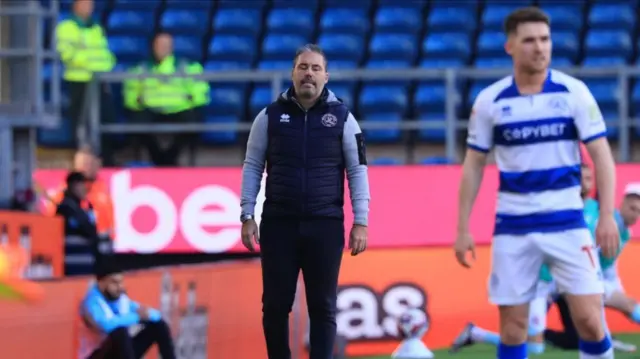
(143, 312)
(250, 234)
(464, 243)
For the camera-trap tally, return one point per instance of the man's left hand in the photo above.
(358, 239)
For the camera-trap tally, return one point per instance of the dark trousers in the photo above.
(78, 113)
(167, 157)
(120, 345)
(568, 338)
(287, 247)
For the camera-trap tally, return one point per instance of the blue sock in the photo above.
(595, 348)
(535, 348)
(512, 351)
(635, 315)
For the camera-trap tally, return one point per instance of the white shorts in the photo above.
(611, 281)
(516, 263)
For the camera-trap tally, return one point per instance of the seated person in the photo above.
(110, 317)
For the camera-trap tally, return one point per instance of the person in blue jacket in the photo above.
(116, 326)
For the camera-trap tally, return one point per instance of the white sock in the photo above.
(480, 335)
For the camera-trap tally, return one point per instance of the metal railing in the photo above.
(450, 77)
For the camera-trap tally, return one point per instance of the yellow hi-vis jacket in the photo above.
(83, 49)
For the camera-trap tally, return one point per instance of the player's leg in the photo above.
(537, 323)
(473, 334)
(515, 266)
(567, 338)
(616, 298)
(576, 269)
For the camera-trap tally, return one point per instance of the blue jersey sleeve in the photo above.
(107, 324)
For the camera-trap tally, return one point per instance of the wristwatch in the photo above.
(245, 217)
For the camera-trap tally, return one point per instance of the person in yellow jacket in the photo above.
(83, 49)
(177, 99)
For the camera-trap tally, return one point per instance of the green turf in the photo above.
(486, 351)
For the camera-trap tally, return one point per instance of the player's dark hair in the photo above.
(522, 16)
(310, 48)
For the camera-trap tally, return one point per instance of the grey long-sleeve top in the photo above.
(354, 156)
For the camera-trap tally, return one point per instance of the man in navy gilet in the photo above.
(307, 139)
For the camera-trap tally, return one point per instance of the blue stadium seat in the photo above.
(232, 48)
(491, 43)
(612, 119)
(342, 47)
(604, 61)
(130, 21)
(612, 17)
(237, 22)
(494, 15)
(397, 20)
(281, 47)
(503, 62)
(475, 89)
(235, 4)
(432, 134)
(383, 135)
(287, 4)
(344, 21)
(566, 44)
(416, 5)
(393, 47)
(608, 43)
(188, 47)
(387, 64)
(605, 92)
(226, 101)
(224, 137)
(151, 5)
(260, 98)
(203, 6)
(138, 164)
(185, 21)
(382, 98)
(563, 17)
(129, 48)
(442, 63)
(221, 65)
(437, 160)
(446, 46)
(559, 61)
(343, 65)
(429, 97)
(343, 92)
(59, 137)
(275, 65)
(452, 18)
(287, 21)
(385, 161)
(353, 4)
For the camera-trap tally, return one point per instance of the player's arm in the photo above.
(593, 133)
(355, 156)
(254, 163)
(479, 143)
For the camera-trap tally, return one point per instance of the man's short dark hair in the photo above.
(310, 48)
(522, 16)
(75, 177)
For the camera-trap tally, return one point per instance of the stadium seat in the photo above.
(237, 22)
(494, 15)
(437, 160)
(343, 92)
(58, 137)
(220, 137)
(383, 135)
(260, 98)
(612, 17)
(502, 62)
(342, 47)
(129, 48)
(416, 5)
(378, 98)
(612, 118)
(150, 5)
(352, 4)
(281, 47)
(385, 161)
(387, 64)
(491, 44)
(559, 61)
(185, 21)
(343, 65)
(221, 65)
(130, 21)
(275, 65)
(393, 47)
(344, 21)
(398, 20)
(432, 134)
(475, 89)
(138, 164)
(188, 47)
(442, 63)
(446, 46)
(225, 101)
(286, 21)
(244, 5)
(429, 97)
(452, 18)
(231, 48)
(603, 61)
(203, 6)
(563, 17)
(566, 44)
(286, 4)
(606, 93)
(608, 43)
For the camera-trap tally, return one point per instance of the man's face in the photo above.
(112, 286)
(162, 46)
(587, 181)
(80, 190)
(530, 47)
(309, 75)
(630, 209)
(83, 8)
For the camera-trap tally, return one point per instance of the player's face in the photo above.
(309, 75)
(113, 286)
(530, 47)
(587, 181)
(630, 209)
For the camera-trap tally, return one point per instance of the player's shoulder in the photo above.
(489, 94)
(571, 84)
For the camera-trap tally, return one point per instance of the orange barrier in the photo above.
(218, 307)
(42, 234)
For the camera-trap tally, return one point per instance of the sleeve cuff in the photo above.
(594, 137)
(477, 148)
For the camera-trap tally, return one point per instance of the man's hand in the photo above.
(607, 236)
(464, 243)
(358, 239)
(250, 234)
(143, 312)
